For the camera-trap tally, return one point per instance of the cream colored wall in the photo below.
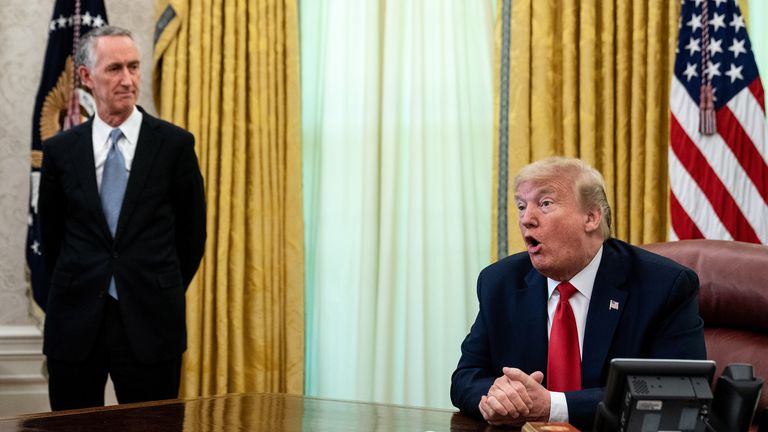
(23, 38)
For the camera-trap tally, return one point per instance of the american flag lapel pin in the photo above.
(613, 305)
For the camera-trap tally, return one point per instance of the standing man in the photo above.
(122, 216)
(552, 318)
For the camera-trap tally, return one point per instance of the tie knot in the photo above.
(566, 290)
(115, 135)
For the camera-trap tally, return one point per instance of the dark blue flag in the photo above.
(60, 104)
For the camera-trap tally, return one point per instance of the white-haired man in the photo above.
(122, 216)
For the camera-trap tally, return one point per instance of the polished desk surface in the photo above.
(246, 412)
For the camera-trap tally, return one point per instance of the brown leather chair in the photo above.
(733, 302)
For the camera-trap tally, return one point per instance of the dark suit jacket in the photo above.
(157, 247)
(657, 317)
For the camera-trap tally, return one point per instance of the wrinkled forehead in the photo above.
(116, 44)
(562, 186)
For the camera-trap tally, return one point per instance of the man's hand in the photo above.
(516, 398)
(540, 399)
(507, 402)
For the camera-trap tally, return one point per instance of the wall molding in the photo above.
(23, 387)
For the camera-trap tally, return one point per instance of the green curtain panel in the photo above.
(757, 25)
(396, 131)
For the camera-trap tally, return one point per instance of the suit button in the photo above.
(114, 255)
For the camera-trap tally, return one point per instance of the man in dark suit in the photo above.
(122, 216)
(552, 318)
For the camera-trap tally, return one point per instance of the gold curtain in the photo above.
(228, 71)
(588, 79)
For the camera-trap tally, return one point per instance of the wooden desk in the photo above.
(246, 412)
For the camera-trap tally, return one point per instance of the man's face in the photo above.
(559, 235)
(114, 79)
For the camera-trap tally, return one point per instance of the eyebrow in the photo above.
(130, 63)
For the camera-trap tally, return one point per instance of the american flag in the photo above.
(717, 172)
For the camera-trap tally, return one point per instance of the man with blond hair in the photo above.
(551, 318)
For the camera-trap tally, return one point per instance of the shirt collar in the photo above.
(584, 281)
(130, 127)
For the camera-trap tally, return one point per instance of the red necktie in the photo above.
(564, 359)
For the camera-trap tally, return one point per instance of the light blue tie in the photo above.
(113, 182)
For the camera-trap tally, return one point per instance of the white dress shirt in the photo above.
(584, 281)
(127, 143)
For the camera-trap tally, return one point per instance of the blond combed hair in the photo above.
(588, 183)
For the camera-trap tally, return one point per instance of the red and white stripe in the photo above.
(719, 183)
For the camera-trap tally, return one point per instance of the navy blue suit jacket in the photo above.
(657, 317)
(156, 250)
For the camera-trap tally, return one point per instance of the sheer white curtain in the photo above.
(758, 35)
(397, 122)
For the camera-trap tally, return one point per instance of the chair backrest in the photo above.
(733, 300)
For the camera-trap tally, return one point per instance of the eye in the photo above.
(520, 207)
(546, 203)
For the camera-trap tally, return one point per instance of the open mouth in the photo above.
(532, 244)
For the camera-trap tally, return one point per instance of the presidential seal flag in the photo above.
(60, 104)
(718, 146)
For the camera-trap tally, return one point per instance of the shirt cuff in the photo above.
(558, 409)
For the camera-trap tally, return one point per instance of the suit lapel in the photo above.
(146, 149)
(84, 166)
(605, 308)
(532, 302)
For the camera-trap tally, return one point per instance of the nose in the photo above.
(125, 77)
(528, 217)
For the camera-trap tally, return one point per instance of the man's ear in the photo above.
(593, 219)
(85, 76)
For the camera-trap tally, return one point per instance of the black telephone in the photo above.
(736, 396)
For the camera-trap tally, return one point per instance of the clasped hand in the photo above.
(516, 398)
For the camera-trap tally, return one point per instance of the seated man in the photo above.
(552, 318)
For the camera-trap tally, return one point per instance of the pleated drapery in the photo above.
(588, 79)
(397, 105)
(228, 71)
